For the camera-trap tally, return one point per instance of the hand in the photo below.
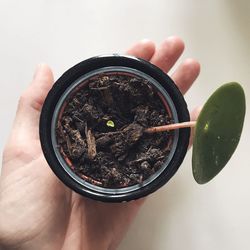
(36, 210)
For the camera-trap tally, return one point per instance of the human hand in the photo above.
(37, 211)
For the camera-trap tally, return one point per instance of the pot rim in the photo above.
(68, 81)
(81, 83)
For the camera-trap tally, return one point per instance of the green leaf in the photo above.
(217, 132)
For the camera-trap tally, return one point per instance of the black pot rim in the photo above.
(85, 67)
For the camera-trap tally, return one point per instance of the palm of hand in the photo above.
(37, 210)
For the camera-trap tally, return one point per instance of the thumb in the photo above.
(30, 104)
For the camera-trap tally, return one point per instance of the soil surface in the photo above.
(100, 131)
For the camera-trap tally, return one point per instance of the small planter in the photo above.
(92, 123)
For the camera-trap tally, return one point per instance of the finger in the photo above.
(168, 53)
(143, 49)
(193, 117)
(39, 88)
(30, 103)
(186, 74)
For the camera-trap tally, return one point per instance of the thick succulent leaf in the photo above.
(217, 132)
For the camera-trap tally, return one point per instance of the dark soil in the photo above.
(100, 131)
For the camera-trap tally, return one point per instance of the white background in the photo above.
(182, 215)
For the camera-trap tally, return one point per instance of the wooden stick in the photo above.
(170, 127)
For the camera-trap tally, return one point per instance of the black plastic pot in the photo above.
(70, 81)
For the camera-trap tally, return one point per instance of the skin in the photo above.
(36, 210)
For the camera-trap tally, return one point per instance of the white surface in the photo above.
(182, 215)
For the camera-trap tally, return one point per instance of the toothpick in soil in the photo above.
(170, 127)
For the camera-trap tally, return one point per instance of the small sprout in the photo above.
(110, 123)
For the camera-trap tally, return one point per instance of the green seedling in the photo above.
(110, 123)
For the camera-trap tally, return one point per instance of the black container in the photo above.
(72, 79)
